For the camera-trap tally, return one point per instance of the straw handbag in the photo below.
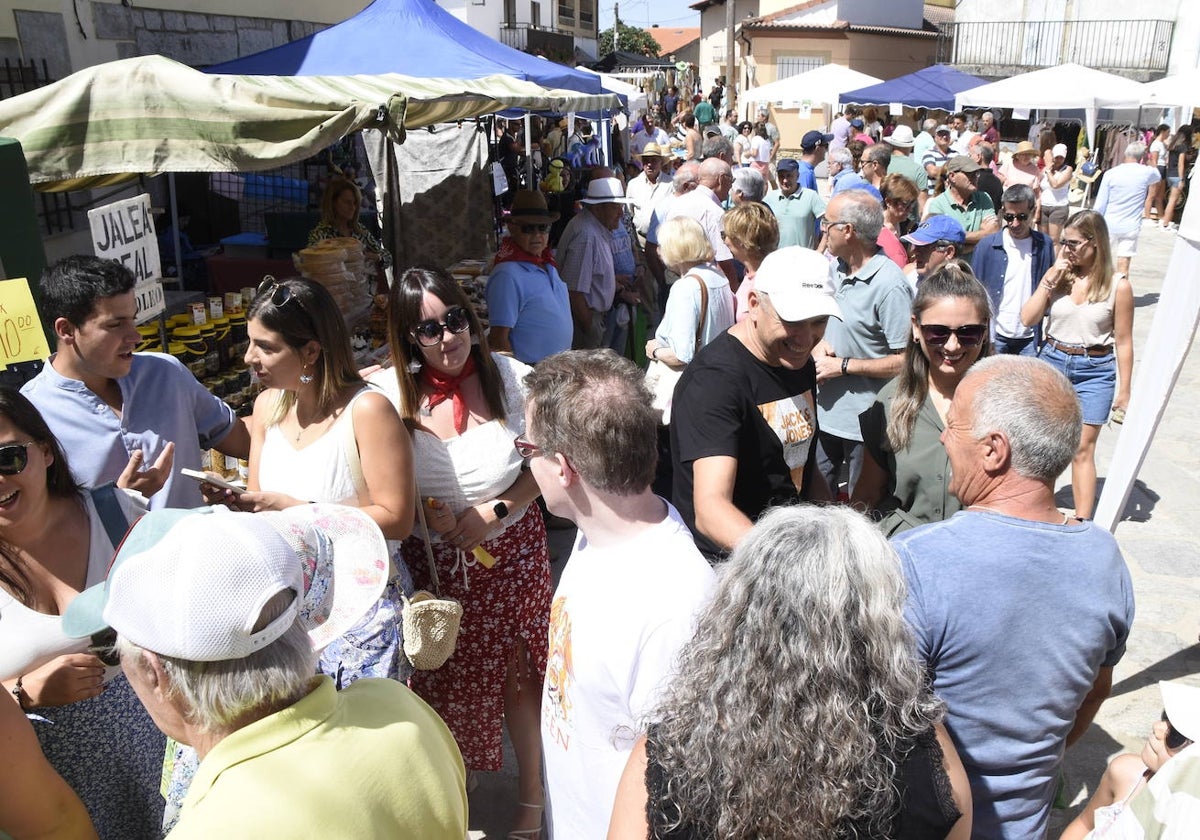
(430, 622)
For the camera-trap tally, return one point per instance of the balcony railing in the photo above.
(1130, 45)
(536, 39)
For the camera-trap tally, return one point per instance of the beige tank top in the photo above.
(1087, 324)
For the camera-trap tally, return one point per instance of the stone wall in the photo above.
(194, 38)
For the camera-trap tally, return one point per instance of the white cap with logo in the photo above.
(799, 283)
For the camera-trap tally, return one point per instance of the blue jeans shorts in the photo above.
(1093, 377)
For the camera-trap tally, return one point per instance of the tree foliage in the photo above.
(629, 39)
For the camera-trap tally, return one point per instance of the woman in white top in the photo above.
(1055, 191)
(467, 407)
(743, 144)
(1089, 315)
(321, 435)
(55, 541)
(687, 251)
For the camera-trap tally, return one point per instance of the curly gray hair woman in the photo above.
(800, 709)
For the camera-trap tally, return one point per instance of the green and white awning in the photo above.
(151, 115)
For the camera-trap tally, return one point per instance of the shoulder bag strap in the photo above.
(433, 575)
(703, 311)
(112, 516)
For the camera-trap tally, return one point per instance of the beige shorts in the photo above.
(1124, 246)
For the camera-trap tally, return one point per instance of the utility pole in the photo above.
(616, 26)
(730, 66)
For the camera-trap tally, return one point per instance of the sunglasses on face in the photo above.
(969, 335)
(526, 448)
(14, 457)
(1073, 244)
(104, 647)
(430, 332)
(1175, 739)
(1019, 217)
(531, 229)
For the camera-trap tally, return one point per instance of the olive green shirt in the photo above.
(919, 475)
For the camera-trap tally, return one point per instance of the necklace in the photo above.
(1066, 517)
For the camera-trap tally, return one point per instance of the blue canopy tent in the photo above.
(418, 38)
(932, 88)
(412, 37)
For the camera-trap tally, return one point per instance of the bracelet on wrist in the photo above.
(845, 366)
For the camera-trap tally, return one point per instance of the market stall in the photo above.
(932, 88)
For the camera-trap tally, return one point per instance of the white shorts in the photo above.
(1124, 246)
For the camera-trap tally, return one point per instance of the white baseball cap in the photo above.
(1182, 705)
(192, 583)
(798, 283)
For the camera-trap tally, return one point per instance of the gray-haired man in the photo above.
(1019, 611)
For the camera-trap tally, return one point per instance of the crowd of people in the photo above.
(808, 543)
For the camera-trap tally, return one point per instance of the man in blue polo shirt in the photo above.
(528, 308)
(114, 410)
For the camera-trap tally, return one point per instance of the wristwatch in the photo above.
(500, 509)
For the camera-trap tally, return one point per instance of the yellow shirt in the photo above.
(369, 761)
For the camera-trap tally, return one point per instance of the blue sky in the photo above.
(645, 13)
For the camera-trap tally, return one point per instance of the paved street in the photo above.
(1159, 539)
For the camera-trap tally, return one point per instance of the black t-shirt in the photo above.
(729, 403)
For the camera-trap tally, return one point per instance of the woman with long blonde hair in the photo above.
(1088, 312)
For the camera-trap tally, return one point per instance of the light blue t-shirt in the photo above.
(1014, 619)
(532, 302)
(797, 215)
(1122, 196)
(161, 401)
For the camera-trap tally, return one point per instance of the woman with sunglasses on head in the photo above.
(899, 199)
(1088, 332)
(467, 405)
(906, 472)
(55, 541)
(1109, 811)
(320, 434)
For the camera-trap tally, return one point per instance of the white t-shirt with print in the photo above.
(620, 615)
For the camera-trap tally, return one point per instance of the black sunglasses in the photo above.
(969, 335)
(528, 229)
(1175, 739)
(430, 332)
(104, 647)
(279, 293)
(1008, 217)
(14, 457)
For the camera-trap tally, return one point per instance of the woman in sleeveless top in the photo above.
(1056, 190)
(488, 541)
(55, 541)
(1177, 163)
(742, 744)
(1088, 333)
(321, 435)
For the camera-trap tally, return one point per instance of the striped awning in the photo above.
(151, 115)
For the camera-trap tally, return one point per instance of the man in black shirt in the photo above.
(744, 415)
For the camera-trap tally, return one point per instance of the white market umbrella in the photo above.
(819, 86)
(1064, 86)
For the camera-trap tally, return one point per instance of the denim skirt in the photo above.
(1093, 377)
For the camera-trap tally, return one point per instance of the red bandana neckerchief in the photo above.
(445, 387)
(511, 252)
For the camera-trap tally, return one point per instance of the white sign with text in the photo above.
(124, 231)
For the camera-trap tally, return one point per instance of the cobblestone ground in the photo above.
(1159, 539)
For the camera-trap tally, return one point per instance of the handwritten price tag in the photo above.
(21, 336)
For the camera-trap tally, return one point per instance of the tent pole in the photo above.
(529, 154)
(175, 223)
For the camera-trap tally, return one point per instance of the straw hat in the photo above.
(1025, 148)
(653, 150)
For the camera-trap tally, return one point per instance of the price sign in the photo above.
(21, 336)
(124, 230)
